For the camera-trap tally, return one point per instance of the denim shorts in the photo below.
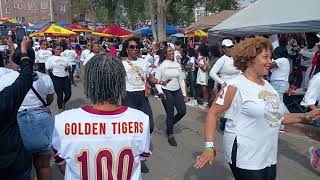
(36, 127)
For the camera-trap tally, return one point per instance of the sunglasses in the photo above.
(45, 44)
(133, 47)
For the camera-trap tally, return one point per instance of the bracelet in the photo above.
(214, 152)
(207, 149)
(209, 144)
(306, 116)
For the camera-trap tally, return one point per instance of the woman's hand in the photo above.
(25, 44)
(10, 45)
(204, 158)
(314, 114)
(164, 83)
(186, 98)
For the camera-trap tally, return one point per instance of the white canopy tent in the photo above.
(272, 17)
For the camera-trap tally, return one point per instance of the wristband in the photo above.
(209, 144)
(210, 150)
(207, 149)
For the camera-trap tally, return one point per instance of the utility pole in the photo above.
(51, 11)
(1, 12)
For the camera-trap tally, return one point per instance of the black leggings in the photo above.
(268, 173)
(62, 86)
(137, 100)
(174, 99)
(71, 72)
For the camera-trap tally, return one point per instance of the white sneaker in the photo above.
(194, 103)
(204, 105)
(189, 103)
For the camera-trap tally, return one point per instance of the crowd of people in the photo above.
(242, 82)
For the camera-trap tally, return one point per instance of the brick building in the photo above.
(36, 10)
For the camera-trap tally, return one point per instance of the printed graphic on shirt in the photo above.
(272, 108)
(133, 77)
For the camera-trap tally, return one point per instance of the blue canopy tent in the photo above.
(148, 30)
(38, 26)
(62, 23)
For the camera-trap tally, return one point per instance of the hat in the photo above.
(227, 43)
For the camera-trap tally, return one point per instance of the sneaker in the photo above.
(204, 105)
(144, 167)
(314, 157)
(194, 103)
(172, 141)
(189, 103)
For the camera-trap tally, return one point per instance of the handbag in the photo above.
(146, 88)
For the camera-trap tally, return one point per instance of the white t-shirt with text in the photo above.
(93, 142)
(133, 79)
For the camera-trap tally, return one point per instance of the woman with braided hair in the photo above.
(106, 132)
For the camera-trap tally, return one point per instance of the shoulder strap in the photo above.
(39, 97)
(139, 74)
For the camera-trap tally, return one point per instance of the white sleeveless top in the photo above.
(254, 118)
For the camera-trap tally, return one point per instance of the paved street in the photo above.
(170, 163)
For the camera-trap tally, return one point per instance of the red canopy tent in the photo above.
(78, 28)
(113, 31)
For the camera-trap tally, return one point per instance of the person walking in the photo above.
(57, 66)
(42, 56)
(224, 70)
(202, 75)
(173, 94)
(254, 114)
(71, 55)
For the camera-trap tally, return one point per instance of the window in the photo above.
(62, 7)
(31, 6)
(44, 4)
(17, 6)
(18, 18)
(7, 10)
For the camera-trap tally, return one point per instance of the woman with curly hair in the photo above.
(254, 113)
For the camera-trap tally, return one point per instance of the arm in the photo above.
(49, 99)
(158, 75)
(291, 118)
(308, 54)
(210, 125)
(14, 94)
(182, 83)
(215, 70)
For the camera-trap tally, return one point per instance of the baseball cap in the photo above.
(227, 43)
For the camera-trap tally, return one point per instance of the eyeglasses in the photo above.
(133, 47)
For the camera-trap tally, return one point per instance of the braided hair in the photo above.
(104, 79)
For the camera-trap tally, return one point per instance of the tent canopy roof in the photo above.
(273, 16)
(54, 30)
(210, 21)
